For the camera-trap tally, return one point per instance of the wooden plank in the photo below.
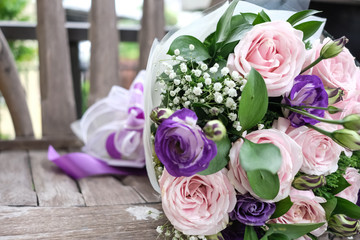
(15, 180)
(104, 58)
(77, 31)
(106, 190)
(13, 92)
(102, 222)
(57, 96)
(53, 187)
(152, 26)
(142, 185)
(35, 144)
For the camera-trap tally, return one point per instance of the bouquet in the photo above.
(251, 127)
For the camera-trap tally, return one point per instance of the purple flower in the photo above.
(252, 211)
(182, 146)
(234, 231)
(308, 90)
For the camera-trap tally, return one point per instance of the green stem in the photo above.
(309, 114)
(320, 130)
(321, 108)
(312, 64)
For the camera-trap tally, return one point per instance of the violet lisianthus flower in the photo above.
(252, 211)
(182, 146)
(308, 90)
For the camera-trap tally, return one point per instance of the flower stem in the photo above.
(320, 130)
(309, 114)
(312, 64)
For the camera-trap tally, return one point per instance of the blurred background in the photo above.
(343, 18)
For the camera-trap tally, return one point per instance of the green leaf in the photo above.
(282, 207)
(227, 49)
(250, 233)
(308, 28)
(250, 17)
(329, 206)
(278, 236)
(342, 184)
(261, 18)
(292, 231)
(224, 25)
(221, 159)
(200, 53)
(297, 17)
(254, 101)
(263, 156)
(346, 207)
(264, 184)
(239, 26)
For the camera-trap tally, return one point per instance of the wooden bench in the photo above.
(38, 200)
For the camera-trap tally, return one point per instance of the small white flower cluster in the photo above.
(188, 82)
(170, 233)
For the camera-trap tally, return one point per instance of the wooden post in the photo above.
(104, 60)
(13, 91)
(57, 97)
(152, 26)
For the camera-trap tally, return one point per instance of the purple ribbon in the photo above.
(79, 165)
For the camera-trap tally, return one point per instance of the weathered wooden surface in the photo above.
(13, 92)
(53, 188)
(57, 97)
(102, 222)
(39, 201)
(104, 58)
(107, 191)
(15, 180)
(152, 26)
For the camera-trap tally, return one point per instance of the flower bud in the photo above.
(342, 225)
(352, 122)
(334, 94)
(308, 182)
(158, 115)
(215, 130)
(333, 48)
(347, 138)
(333, 110)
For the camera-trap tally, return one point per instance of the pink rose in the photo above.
(350, 193)
(291, 161)
(197, 205)
(306, 209)
(338, 72)
(275, 50)
(321, 153)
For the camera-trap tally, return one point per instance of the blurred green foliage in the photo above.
(129, 50)
(13, 10)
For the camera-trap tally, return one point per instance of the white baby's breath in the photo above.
(232, 116)
(172, 75)
(232, 92)
(225, 71)
(197, 91)
(217, 86)
(203, 66)
(213, 69)
(177, 52)
(191, 47)
(207, 81)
